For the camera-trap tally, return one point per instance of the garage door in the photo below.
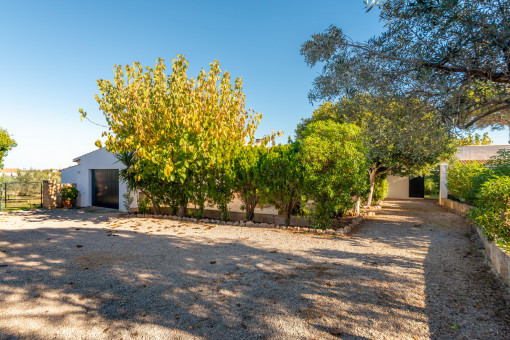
(105, 188)
(417, 187)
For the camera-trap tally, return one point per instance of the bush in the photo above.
(68, 193)
(380, 190)
(248, 179)
(282, 175)
(462, 180)
(492, 210)
(335, 164)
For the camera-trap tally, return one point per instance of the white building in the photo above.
(9, 172)
(96, 178)
(404, 187)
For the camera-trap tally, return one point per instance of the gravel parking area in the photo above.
(414, 271)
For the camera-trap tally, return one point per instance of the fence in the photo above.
(21, 195)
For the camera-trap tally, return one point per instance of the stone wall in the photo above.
(51, 194)
(499, 259)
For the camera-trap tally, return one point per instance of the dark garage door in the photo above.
(417, 187)
(105, 188)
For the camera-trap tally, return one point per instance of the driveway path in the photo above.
(415, 271)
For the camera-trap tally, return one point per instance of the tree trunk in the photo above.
(182, 211)
(358, 203)
(372, 173)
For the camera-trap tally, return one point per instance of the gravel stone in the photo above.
(414, 271)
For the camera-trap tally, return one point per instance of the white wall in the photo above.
(398, 187)
(479, 152)
(81, 175)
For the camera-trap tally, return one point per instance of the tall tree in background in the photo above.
(402, 136)
(6, 144)
(453, 54)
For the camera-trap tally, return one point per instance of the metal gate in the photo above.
(21, 195)
(105, 188)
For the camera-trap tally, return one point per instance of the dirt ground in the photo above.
(414, 271)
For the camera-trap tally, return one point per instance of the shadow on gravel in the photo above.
(94, 215)
(464, 299)
(224, 289)
(227, 288)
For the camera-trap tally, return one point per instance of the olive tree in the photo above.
(402, 136)
(453, 54)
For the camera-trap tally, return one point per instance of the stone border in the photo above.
(338, 232)
(499, 259)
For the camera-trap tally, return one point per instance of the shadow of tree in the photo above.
(83, 281)
(95, 282)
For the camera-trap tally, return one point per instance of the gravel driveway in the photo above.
(415, 271)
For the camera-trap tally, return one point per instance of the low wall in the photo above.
(454, 205)
(499, 259)
(257, 218)
(51, 194)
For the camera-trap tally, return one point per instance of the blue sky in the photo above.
(53, 52)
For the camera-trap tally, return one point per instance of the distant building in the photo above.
(9, 172)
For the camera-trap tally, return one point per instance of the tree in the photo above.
(452, 54)
(177, 127)
(474, 139)
(248, 177)
(6, 144)
(497, 121)
(402, 136)
(335, 163)
(283, 176)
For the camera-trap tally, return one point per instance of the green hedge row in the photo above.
(487, 189)
(319, 176)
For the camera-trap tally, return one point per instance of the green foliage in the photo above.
(335, 164)
(176, 135)
(68, 193)
(475, 139)
(6, 144)
(431, 184)
(282, 174)
(248, 176)
(488, 190)
(128, 199)
(492, 210)
(452, 54)
(380, 189)
(401, 135)
(221, 187)
(461, 180)
(144, 205)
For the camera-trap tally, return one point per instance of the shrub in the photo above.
(492, 210)
(283, 176)
(68, 193)
(380, 189)
(335, 164)
(144, 205)
(461, 180)
(248, 178)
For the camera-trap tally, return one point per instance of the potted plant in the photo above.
(68, 196)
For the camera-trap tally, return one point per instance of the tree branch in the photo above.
(474, 120)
